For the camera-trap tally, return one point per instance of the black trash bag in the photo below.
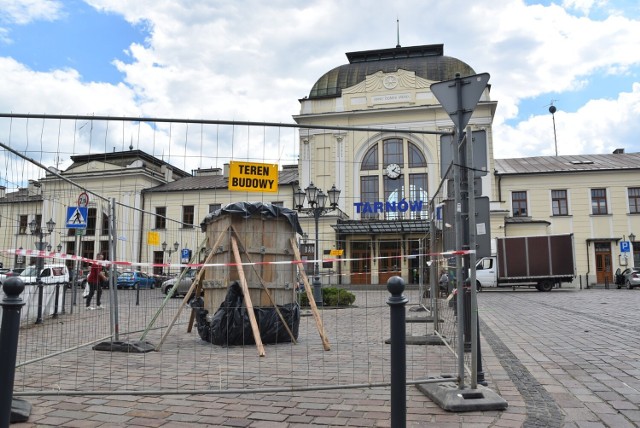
(230, 324)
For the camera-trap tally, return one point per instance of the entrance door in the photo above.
(603, 263)
(361, 265)
(390, 260)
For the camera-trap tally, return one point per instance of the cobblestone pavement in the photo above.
(567, 358)
(573, 355)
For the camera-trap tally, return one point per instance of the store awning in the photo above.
(376, 227)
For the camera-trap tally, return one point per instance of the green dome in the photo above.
(426, 61)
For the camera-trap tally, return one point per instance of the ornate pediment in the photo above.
(381, 81)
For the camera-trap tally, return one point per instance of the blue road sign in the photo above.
(625, 246)
(77, 217)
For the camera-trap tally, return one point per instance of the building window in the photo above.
(92, 214)
(369, 193)
(23, 225)
(519, 204)
(104, 230)
(370, 160)
(214, 207)
(392, 152)
(380, 194)
(416, 158)
(598, 201)
(559, 203)
(418, 194)
(188, 216)
(104, 249)
(161, 217)
(158, 259)
(634, 200)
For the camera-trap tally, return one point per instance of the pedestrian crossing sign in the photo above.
(77, 217)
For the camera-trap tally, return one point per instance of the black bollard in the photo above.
(11, 306)
(397, 302)
(137, 293)
(40, 291)
(55, 303)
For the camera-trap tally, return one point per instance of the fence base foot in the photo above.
(430, 339)
(449, 397)
(20, 410)
(119, 346)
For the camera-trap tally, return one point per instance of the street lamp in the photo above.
(317, 200)
(36, 230)
(176, 245)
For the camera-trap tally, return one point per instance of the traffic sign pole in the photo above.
(459, 98)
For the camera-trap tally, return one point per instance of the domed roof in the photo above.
(427, 61)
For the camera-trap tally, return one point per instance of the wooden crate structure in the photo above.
(261, 240)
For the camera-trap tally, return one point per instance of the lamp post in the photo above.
(176, 245)
(317, 200)
(36, 230)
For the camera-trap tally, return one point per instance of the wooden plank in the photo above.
(188, 295)
(312, 302)
(266, 289)
(197, 281)
(247, 297)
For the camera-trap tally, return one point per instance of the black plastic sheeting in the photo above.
(230, 324)
(248, 209)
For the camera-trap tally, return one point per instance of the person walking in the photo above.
(95, 279)
(444, 282)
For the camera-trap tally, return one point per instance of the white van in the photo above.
(50, 274)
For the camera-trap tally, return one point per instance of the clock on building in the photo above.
(393, 171)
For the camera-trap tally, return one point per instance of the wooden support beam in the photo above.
(312, 302)
(247, 297)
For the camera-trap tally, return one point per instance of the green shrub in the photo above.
(331, 296)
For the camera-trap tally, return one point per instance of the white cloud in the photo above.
(253, 60)
(25, 11)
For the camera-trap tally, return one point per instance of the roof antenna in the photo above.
(552, 110)
(398, 31)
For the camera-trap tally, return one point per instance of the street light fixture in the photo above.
(632, 237)
(176, 245)
(317, 200)
(36, 230)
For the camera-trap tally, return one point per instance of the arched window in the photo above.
(381, 195)
(370, 159)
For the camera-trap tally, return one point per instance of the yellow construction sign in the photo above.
(253, 177)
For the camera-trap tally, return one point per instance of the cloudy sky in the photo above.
(252, 60)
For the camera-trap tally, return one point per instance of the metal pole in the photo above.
(39, 265)
(10, 328)
(475, 344)
(397, 302)
(458, 235)
(317, 284)
(55, 301)
(113, 307)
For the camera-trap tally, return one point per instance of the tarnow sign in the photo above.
(253, 177)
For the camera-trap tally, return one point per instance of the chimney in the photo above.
(34, 188)
(3, 192)
(226, 170)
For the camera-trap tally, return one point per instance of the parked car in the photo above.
(6, 273)
(183, 285)
(50, 274)
(133, 279)
(629, 278)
